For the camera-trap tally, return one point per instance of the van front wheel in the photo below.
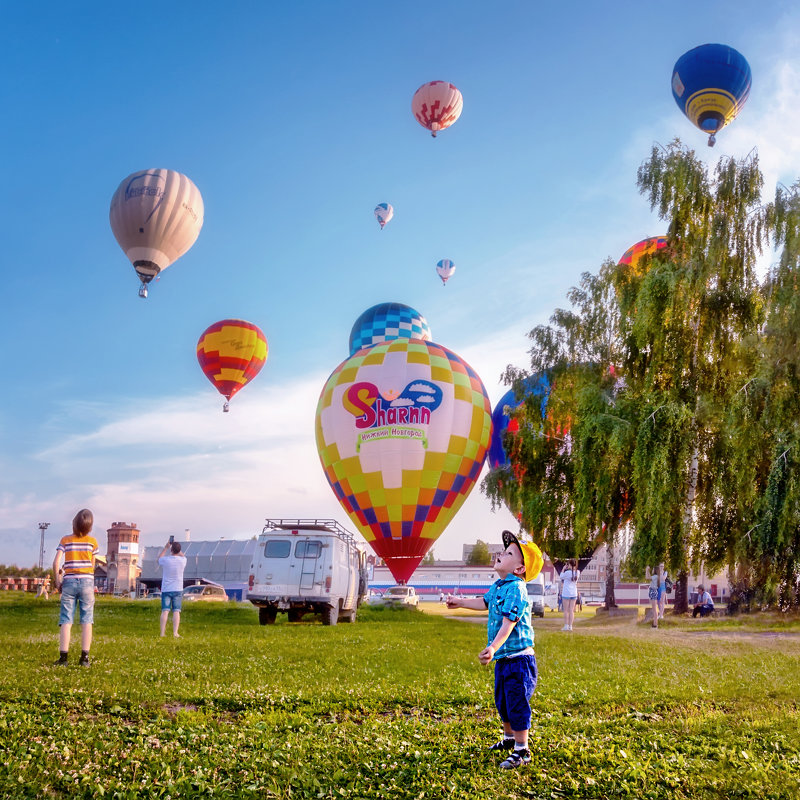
(330, 615)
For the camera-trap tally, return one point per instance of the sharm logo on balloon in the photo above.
(386, 416)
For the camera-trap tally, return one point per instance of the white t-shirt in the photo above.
(172, 572)
(706, 599)
(569, 583)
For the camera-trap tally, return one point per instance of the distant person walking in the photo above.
(705, 605)
(662, 591)
(656, 579)
(172, 567)
(569, 592)
(44, 588)
(76, 553)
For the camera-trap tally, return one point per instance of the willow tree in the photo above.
(683, 321)
(763, 450)
(568, 478)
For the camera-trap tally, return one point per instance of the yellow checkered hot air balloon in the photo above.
(402, 430)
(231, 353)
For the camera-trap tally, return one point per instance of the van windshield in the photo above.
(535, 588)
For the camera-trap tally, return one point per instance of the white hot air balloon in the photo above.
(437, 105)
(445, 269)
(383, 213)
(156, 216)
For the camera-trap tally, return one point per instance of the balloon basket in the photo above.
(143, 292)
(226, 408)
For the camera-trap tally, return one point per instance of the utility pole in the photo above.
(43, 526)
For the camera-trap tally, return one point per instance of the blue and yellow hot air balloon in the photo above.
(710, 84)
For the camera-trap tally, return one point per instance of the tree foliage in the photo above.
(479, 556)
(675, 391)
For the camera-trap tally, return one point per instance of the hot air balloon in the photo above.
(402, 430)
(537, 385)
(646, 247)
(445, 269)
(387, 321)
(710, 84)
(383, 213)
(437, 105)
(156, 216)
(231, 353)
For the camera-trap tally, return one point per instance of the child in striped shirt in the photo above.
(76, 554)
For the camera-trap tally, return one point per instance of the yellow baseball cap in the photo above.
(531, 555)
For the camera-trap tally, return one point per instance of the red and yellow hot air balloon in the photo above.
(646, 247)
(231, 353)
(437, 105)
(402, 430)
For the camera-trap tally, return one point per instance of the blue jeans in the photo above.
(80, 590)
(171, 600)
(514, 683)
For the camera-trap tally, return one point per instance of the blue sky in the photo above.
(294, 121)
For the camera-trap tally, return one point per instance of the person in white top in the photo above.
(705, 605)
(569, 592)
(172, 567)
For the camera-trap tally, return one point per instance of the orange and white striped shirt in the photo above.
(79, 553)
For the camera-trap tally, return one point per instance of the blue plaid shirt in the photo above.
(508, 597)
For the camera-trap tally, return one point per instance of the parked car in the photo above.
(205, 592)
(307, 566)
(400, 596)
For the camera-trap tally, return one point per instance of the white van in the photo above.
(536, 595)
(307, 565)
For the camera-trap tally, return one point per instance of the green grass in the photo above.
(395, 706)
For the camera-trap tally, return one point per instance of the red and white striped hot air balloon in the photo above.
(437, 105)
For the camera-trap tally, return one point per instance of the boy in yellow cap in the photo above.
(510, 643)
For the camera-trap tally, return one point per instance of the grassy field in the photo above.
(395, 706)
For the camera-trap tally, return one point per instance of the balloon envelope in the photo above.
(402, 430)
(646, 247)
(231, 353)
(437, 105)
(383, 213)
(156, 216)
(537, 385)
(445, 269)
(710, 84)
(387, 321)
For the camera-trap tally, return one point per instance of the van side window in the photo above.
(307, 550)
(277, 549)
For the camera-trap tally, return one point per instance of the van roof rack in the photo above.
(330, 525)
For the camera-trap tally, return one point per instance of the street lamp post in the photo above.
(43, 526)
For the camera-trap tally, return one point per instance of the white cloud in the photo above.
(182, 463)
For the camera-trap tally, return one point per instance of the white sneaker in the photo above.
(570, 627)
(565, 628)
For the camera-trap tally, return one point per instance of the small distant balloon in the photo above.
(387, 321)
(646, 247)
(437, 105)
(710, 84)
(383, 213)
(445, 269)
(231, 353)
(156, 216)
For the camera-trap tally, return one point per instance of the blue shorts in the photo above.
(171, 600)
(78, 590)
(652, 593)
(514, 684)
